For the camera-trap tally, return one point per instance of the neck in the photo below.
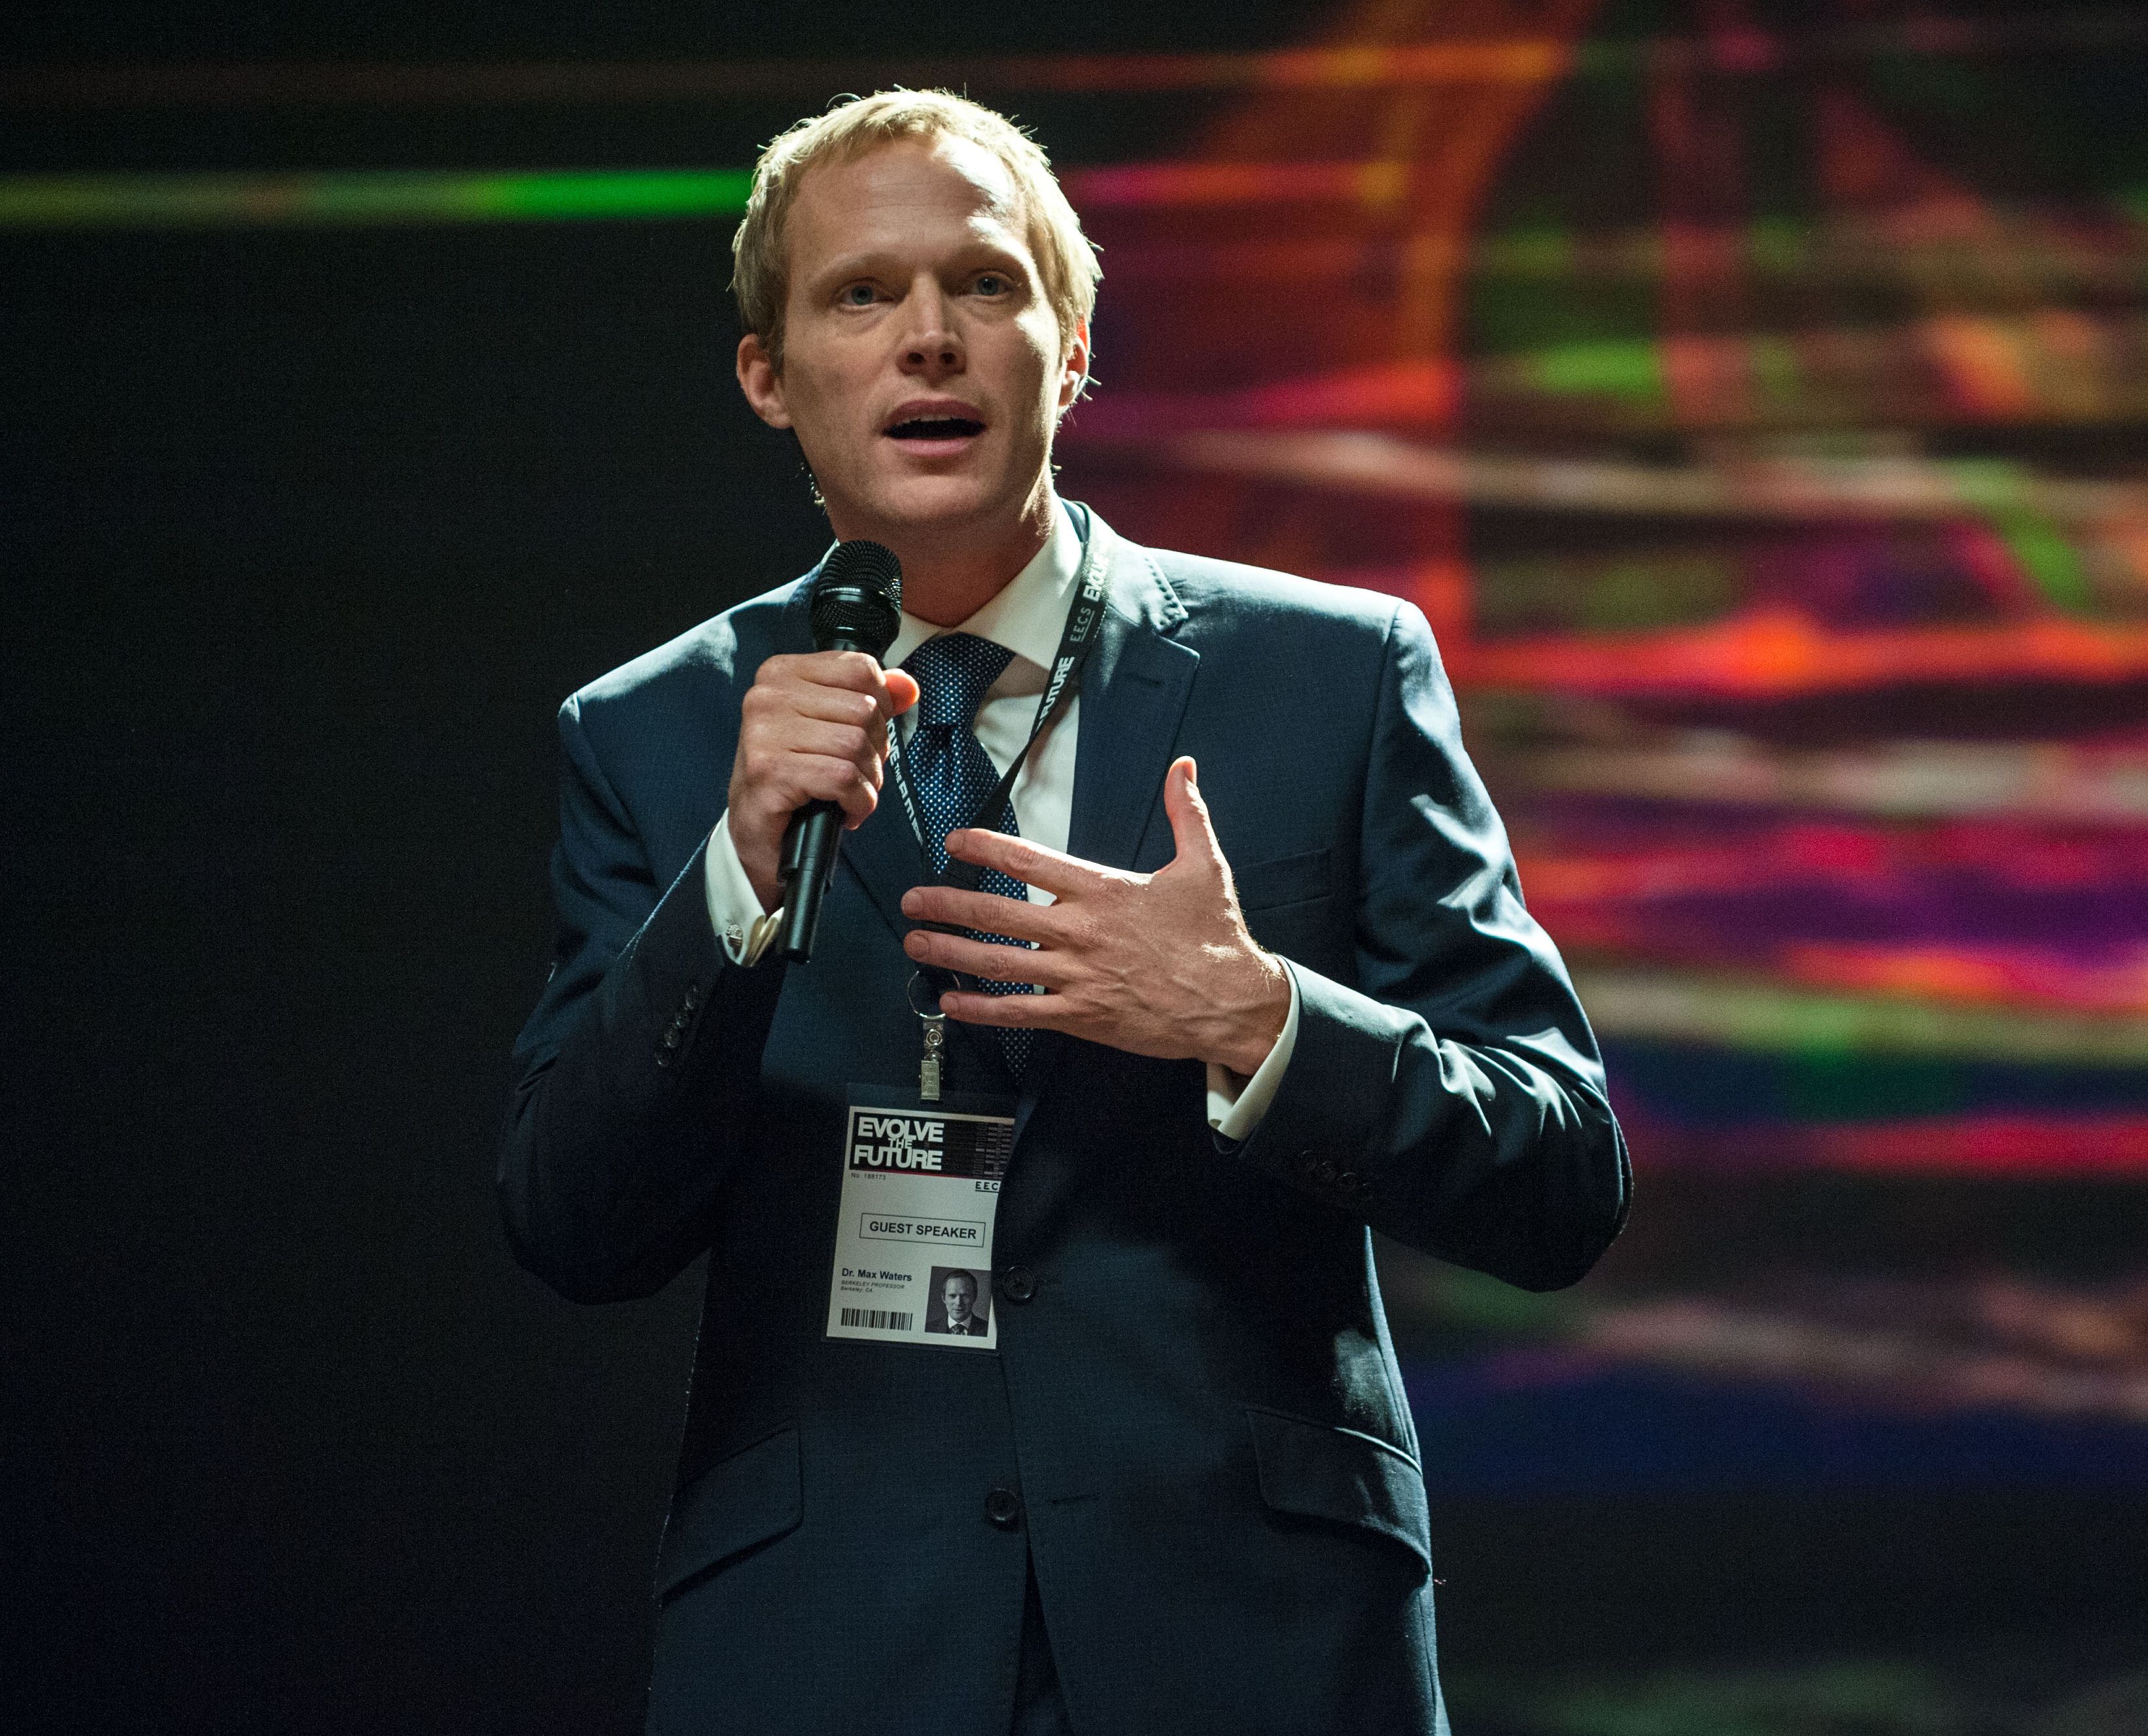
(949, 573)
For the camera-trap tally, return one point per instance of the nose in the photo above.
(931, 347)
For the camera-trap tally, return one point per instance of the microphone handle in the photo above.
(808, 859)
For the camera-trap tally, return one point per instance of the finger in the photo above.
(1192, 830)
(857, 670)
(861, 747)
(1033, 864)
(821, 777)
(983, 958)
(1007, 1012)
(773, 702)
(845, 671)
(987, 912)
(902, 691)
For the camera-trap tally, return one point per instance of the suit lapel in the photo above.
(1133, 696)
(884, 856)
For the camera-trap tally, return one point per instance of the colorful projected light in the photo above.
(1810, 665)
(1755, 411)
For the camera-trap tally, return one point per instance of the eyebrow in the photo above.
(846, 266)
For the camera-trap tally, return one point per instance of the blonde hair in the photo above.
(760, 275)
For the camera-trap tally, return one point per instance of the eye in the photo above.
(857, 295)
(991, 283)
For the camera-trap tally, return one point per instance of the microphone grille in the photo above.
(858, 596)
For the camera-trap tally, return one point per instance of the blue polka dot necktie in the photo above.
(951, 774)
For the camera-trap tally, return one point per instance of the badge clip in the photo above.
(929, 1066)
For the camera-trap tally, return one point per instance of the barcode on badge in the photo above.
(878, 1320)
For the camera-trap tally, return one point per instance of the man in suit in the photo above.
(955, 1309)
(1248, 969)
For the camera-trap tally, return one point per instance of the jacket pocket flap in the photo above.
(752, 1498)
(1286, 879)
(1326, 1473)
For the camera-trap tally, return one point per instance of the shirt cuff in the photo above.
(735, 907)
(1235, 1110)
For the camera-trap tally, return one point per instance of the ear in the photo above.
(761, 384)
(1074, 370)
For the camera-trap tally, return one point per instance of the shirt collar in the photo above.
(1028, 612)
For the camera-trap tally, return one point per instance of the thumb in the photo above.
(1191, 830)
(902, 689)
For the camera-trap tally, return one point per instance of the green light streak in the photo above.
(359, 199)
(2000, 491)
(1772, 245)
(1631, 370)
(1754, 1014)
(1779, 246)
(1882, 1697)
(1541, 251)
(1776, 370)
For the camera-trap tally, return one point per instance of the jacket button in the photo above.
(1324, 1170)
(693, 996)
(1017, 1283)
(1350, 1182)
(1003, 1508)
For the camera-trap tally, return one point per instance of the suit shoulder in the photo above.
(723, 651)
(1228, 594)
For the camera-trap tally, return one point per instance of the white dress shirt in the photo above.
(1027, 616)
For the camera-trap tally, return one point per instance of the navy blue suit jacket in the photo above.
(1198, 1406)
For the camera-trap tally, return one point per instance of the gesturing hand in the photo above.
(812, 728)
(1157, 964)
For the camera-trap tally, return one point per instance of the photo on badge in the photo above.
(960, 1302)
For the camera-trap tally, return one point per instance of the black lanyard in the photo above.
(1075, 641)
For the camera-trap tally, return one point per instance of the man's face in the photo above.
(922, 365)
(958, 1292)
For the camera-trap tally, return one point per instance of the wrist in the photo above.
(760, 864)
(760, 855)
(1259, 1023)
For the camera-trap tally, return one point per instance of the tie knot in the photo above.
(953, 674)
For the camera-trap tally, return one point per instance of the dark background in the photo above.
(306, 535)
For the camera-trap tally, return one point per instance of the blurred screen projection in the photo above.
(1754, 397)
(1756, 401)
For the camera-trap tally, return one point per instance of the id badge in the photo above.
(913, 1255)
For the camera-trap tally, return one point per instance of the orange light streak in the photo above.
(1421, 393)
(1989, 976)
(1983, 367)
(1779, 654)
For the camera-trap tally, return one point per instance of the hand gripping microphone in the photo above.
(856, 605)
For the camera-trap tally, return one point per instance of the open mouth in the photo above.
(936, 428)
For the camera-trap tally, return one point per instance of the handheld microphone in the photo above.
(856, 605)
